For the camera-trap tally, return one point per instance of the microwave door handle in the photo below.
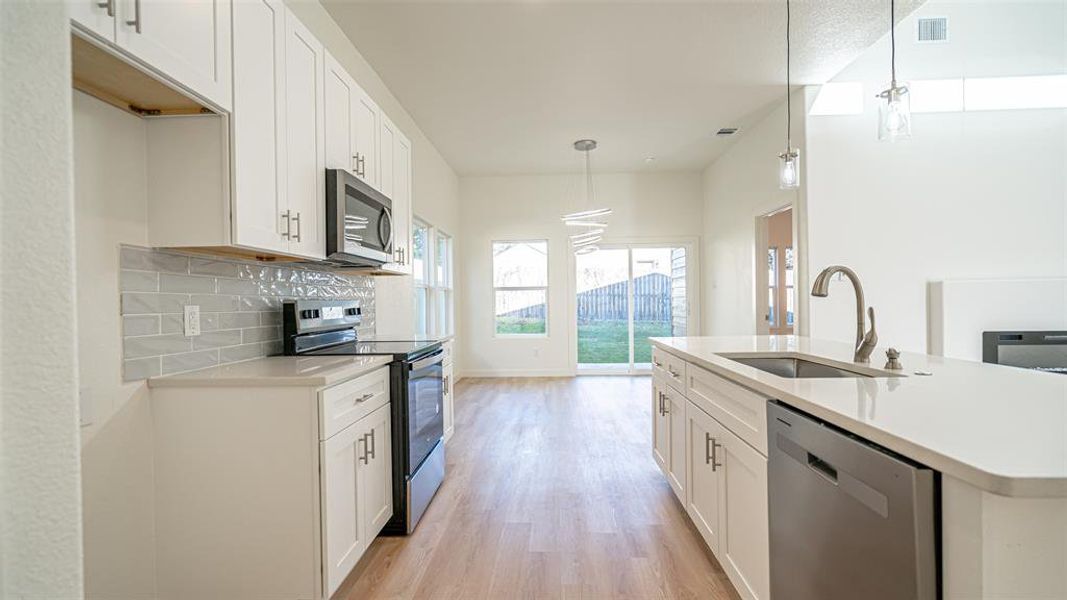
(386, 218)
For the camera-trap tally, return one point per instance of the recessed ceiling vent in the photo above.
(932, 30)
(726, 131)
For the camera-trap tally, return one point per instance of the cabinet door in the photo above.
(396, 175)
(258, 125)
(96, 16)
(449, 377)
(376, 474)
(339, 112)
(305, 174)
(365, 121)
(661, 426)
(343, 531)
(186, 41)
(703, 476)
(676, 452)
(744, 547)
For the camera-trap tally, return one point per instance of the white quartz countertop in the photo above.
(312, 371)
(1002, 429)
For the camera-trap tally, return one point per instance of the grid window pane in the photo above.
(521, 312)
(421, 312)
(520, 264)
(443, 261)
(420, 242)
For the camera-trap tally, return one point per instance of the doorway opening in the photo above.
(776, 273)
(626, 294)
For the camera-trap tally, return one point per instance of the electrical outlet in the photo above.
(192, 320)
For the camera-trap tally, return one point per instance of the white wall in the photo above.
(971, 195)
(739, 186)
(646, 205)
(40, 502)
(436, 187)
(117, 484)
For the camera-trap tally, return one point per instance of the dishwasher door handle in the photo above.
(823, 468)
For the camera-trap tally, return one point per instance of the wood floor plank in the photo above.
(551, 493)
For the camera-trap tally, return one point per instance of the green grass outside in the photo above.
(599, 342)
(606, 342)
(513, 325)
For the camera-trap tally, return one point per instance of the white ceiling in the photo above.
(505, 87)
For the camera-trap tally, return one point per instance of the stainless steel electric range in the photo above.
(327, 328)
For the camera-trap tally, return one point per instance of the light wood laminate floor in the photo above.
(551, 492)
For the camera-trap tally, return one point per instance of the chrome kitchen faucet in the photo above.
(865, 342)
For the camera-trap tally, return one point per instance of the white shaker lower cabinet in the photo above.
(269, 491)
(721, 479)
(357, 492)
(449, 381)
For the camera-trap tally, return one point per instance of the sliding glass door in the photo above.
(625, 295)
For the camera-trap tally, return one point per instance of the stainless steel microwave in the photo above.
(359, 222)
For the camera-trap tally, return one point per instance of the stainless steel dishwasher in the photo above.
(848, 520)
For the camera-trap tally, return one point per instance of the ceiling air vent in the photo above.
(931, 30)
(725, 131)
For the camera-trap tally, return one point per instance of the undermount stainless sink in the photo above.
(797, 368)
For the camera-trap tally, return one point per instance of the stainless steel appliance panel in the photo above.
(848, 520)
(424, 484)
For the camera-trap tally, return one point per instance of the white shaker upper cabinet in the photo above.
(340, 131)
(365, 118)
(305, 175)
(395, 182)
(258, 121)
(96, 16)
(188, 42)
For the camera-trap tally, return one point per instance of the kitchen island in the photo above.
(996, 435)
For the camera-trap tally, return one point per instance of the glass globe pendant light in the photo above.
(788, 161)
(894, 108)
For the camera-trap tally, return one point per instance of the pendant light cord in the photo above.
(892, 43)
(788, 86)
(588, 182)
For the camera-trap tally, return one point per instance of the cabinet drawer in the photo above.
(669, 368)
(346, 403)
(742, 411)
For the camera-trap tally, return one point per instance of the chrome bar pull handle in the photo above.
(285, 216)
(109, 5)
(297, 238)
(364, 457)
(373, 444)
(707, 449)
(715, 445)
(136, 22)
(364, 398)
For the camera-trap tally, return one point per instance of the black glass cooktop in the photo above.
(396, 348)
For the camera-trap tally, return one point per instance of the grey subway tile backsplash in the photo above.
(240, 307)
(143, 303)
(170, 282)
(140, 368)
(156, 345)
(138, 281)
(190, 361)
(140, 325)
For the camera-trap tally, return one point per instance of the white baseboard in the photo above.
(490, 373)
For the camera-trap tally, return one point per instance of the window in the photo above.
(431, 259)
(520, 287)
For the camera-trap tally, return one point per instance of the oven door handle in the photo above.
(433, 359)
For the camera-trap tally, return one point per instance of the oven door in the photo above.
(426, 422)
